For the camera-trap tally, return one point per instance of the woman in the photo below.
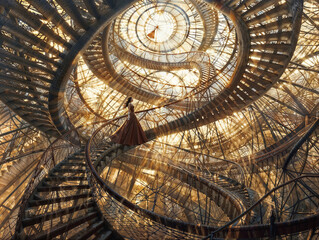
(131, 132)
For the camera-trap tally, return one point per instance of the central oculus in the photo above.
(160, 26)
(163, 27)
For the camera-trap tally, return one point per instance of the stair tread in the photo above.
(48, 216)
(88, 232)
(65, 178)
(34, 203)
(60, 188)
(69, 170)
(59, 230)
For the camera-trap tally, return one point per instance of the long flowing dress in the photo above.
(131, 131)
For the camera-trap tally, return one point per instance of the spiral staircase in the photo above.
(71, 192)
(66, 185)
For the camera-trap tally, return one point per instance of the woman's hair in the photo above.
(128, 101)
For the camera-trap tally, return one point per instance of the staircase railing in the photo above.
(114, 206)
(134, 220)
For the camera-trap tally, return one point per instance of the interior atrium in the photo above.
(227, 92)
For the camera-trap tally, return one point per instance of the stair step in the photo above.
(61, 188)
(35, 203)
(278, 11)
(76, 160)
(88, 232)
(66, 178)
(77, 157)
(56, 231)
(76, 167)
(45, 217)
(258, 7)
(69, 170)
(73, 164)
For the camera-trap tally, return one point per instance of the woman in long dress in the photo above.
(131, 132)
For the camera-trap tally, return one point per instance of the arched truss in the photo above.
(229, 98)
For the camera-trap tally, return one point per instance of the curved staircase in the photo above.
(62, 206)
